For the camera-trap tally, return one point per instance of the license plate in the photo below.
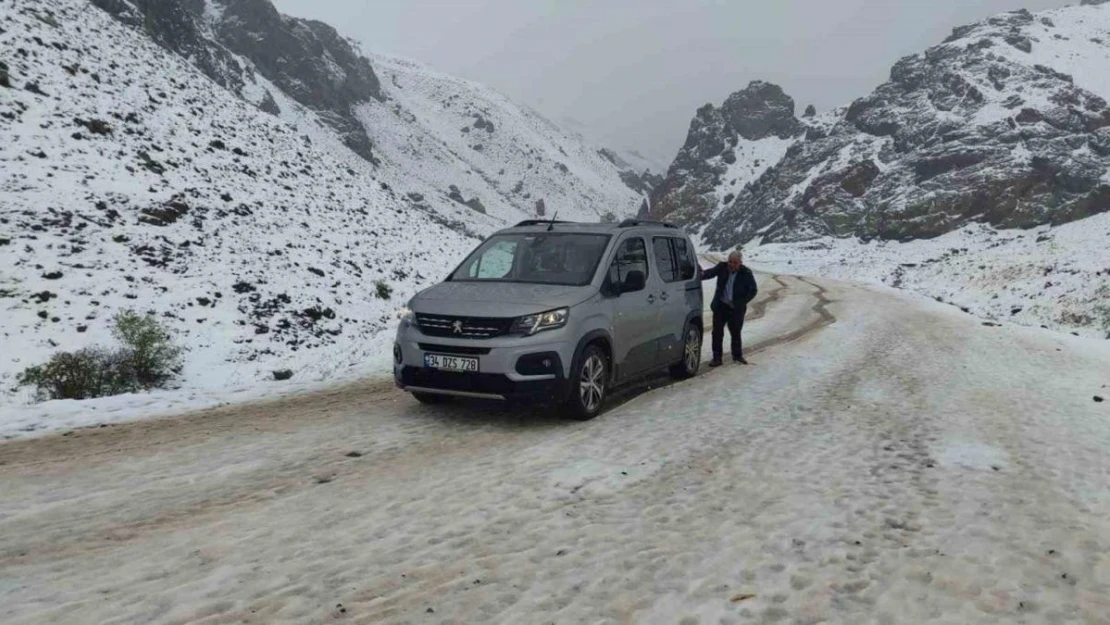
(451, 363)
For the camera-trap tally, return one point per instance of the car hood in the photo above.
(497, 299)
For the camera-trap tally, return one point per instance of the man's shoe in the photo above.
(740, 360)
(716, 362)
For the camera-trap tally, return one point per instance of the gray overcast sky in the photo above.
(634, 71)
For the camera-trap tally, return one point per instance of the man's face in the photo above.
(734, 263)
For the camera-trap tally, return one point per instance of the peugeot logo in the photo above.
(457, 328)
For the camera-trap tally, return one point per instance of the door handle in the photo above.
(651, 299)
(663, 296)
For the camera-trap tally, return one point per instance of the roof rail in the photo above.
(631, 223)
(540, 222)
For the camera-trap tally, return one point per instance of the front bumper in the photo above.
(480, 385)
(508, 367)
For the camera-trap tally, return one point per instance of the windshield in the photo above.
(535, 258)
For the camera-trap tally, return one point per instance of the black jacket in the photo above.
(743, 290)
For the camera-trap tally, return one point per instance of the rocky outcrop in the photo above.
(305, 59)
(977, 129)
(688, 194)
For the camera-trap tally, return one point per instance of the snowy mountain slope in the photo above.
(241, 43)
(1006, 122)
(422, 127)
(635, 159)
(452, 134)
(129, 180)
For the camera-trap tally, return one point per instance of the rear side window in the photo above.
(664, 259)
(631, 256)
(684, 256)
(675, 259)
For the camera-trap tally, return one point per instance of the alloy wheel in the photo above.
(591, 386)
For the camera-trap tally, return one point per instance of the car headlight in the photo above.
(550, 320)
(406, 316)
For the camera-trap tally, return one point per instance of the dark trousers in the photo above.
(734, 319)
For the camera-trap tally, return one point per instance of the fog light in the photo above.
(546, 363)
(397, 356)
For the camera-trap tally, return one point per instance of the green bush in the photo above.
(148, 359)
(383, 290)
(149, 348)
(86, 373)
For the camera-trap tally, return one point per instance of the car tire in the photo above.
(431, 399)
(691, 353)
(589, 385)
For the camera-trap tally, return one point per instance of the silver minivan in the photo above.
(556, 312)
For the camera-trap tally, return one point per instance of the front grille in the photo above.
(463, 327)
(456, 350)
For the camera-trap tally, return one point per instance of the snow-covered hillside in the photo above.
(1053, 277)
(438, 140)
(129, 180)
(466, 141)
(247, 177)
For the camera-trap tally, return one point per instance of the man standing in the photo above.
(735, 288)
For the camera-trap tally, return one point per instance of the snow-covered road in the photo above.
(884, 460)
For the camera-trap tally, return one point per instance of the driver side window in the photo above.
(631, 256)
(495, 263)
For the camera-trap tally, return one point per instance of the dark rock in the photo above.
(474, 203)
(269, 105)
(541, 208)
(5, 80)
(33, 87)
(53, 275)
(354, 454)
(96, 126)
(1099, 399)
(811, 111)
(482, 124)
(1020, 42)
(316, 271)
(82, 329)
(282, 375)
(151, 164)
(163, 215)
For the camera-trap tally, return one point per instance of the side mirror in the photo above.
(634, 281)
